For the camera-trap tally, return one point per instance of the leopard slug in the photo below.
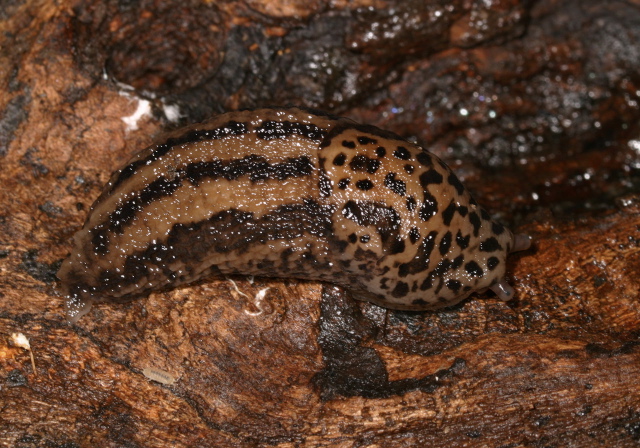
(293, 193)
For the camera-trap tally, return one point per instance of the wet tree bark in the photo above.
(533, 104)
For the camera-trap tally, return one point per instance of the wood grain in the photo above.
(554, 154)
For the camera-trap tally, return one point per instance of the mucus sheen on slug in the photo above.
(288, 193)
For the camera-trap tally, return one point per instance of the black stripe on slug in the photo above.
(345, 125)
(226, 130)
(270, 130)
(256, 167)
(227, 231)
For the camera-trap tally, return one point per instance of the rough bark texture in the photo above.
(533, 103)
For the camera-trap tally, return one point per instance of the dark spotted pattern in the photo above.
(424, 158)
(411, 203)
(490, 245)
(340, 159)
(463, 241)
(429, 207)
(401, 289)
(346, 203)
(475, 222)
(364, 184)
(366, 214)
(447, 214)
(364, 163)
(363, 140)
(474, 269)
(454, 285)
(396, 185)
(455, 182)
(445, 243)
(421, 261)
(497, 228)
(402, 153)
(457, 262)
(349, 144)
(430, 177)
(397, 247)
(414, 235)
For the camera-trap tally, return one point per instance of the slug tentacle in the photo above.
(521, 242)
(288, 193)
(503, 290)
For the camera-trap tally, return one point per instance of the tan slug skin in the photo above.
(287, 193)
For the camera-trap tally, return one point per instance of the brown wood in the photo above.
(534, 104)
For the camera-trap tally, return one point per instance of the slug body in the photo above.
(288, 193)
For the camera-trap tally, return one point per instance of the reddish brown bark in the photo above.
(534, 104)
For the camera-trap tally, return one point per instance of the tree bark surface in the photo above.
(535, 105)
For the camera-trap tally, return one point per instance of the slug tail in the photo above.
(76, 307)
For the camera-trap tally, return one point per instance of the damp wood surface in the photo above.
(535, 105)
